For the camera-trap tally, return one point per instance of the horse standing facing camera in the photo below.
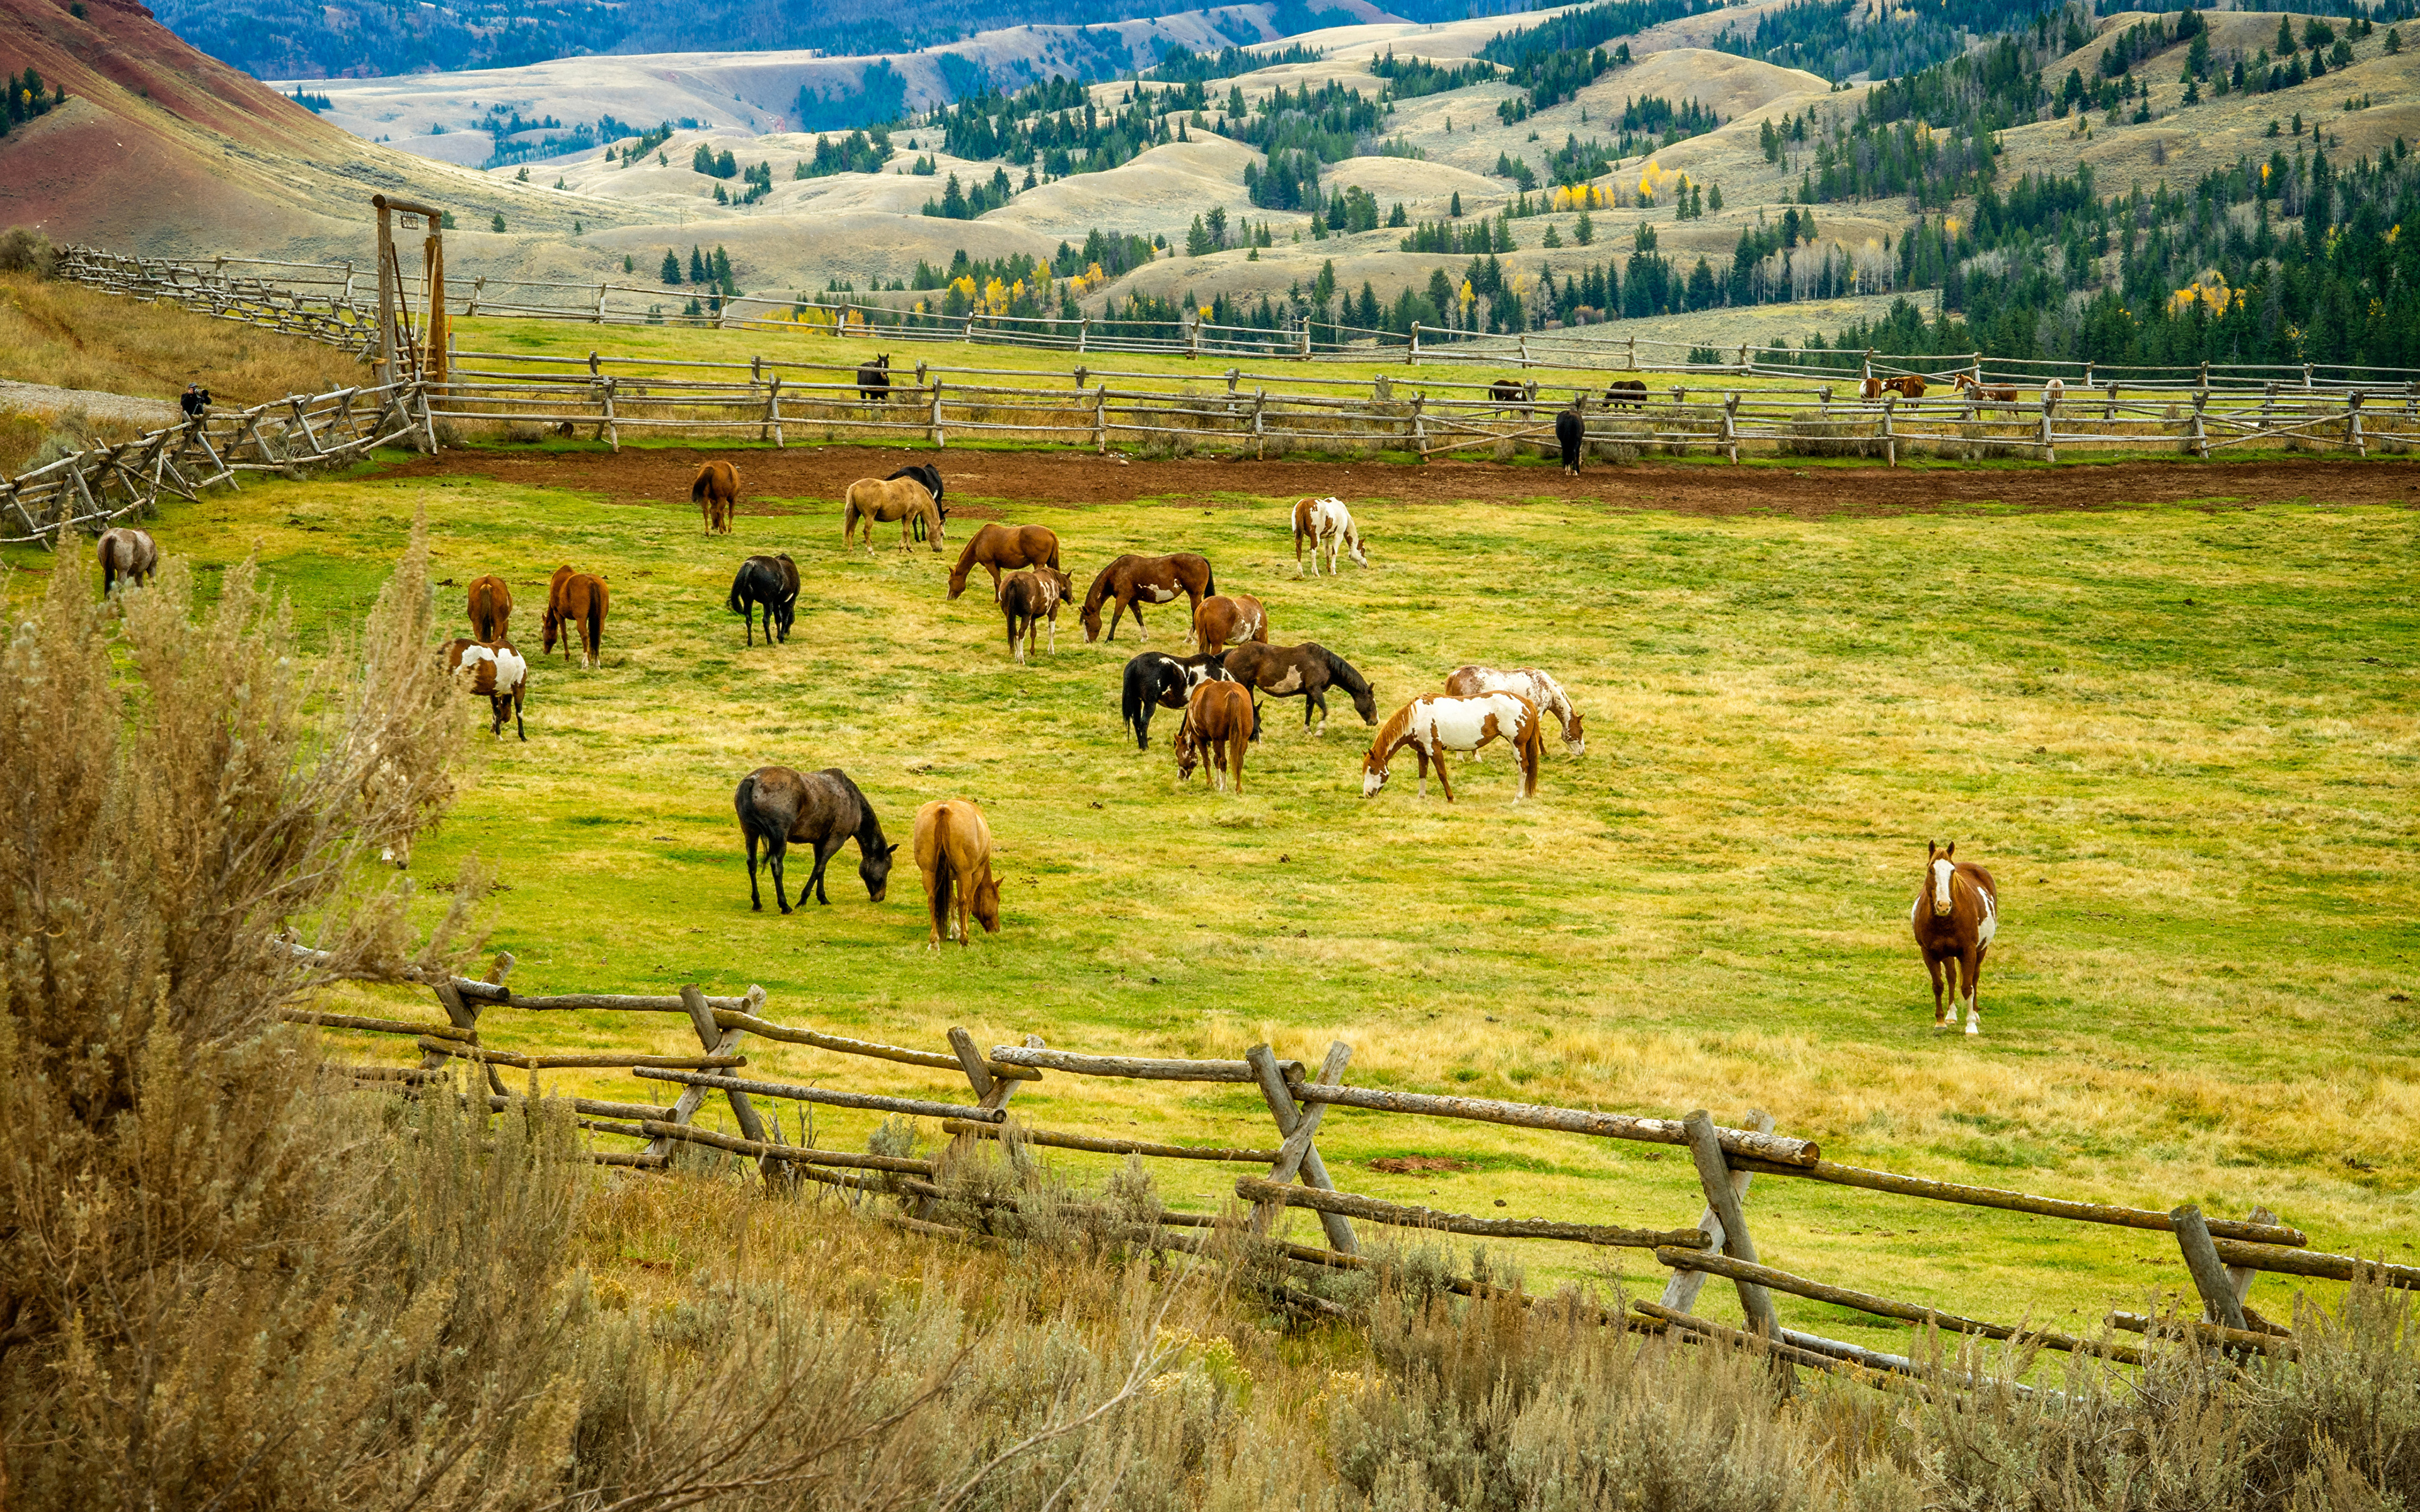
(1956, 913)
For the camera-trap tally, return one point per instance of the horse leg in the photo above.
(755, 899)
(995, 580)
(1445, 784)
(1932, 964)
(824, 850)
(1972, 969)
(777, 851)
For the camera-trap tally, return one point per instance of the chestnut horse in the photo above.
(1220, 620)
(1132, 581)
(881, 501)
(1542, 691)
(1309, 670)
(996, 547)
(1218, 723)
(1956, 913)
(1325, 522)
(954, 851)
(1980, 394)
(498, 673)
(575, 607)
(491, 609)
(1029, 598)
(126, 555)
(715, 490)
(825, 810)
(1433, 725)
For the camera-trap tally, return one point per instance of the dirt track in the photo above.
(983, 485)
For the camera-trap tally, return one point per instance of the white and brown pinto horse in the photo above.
(1221, 622)
(1433, 725)
(1325, 522)
(497, 673)
(1956, 913)
(126, 555)
(1026, 599)
(1131, 581)
(1540, 688)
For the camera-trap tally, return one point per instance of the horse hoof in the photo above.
(1975, 1028)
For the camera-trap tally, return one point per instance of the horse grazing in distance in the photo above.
(1907, 386)
(1625, 394)
(1132, 581)
(1155, 680)
(491, 609)
(2052, 391)
(1956, 913)
(1505, 393)
(873, 380)
(772, 582)
(498, 672)
(575, 608)
(1220, 620)
(881, 501)
(1431, 726)
(1027, 598)
(715, 490)
(1570, 434)
(1325, 522)
(825, 810)
(954, 851)
(930, 477)
(1980, 394)
(1219, 721)
(1308, 670)
(1542, 691)
(126, 555)
(996, 547)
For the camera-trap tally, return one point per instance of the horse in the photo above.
(575, 607)
(1220, 620)
(715, 490)
(884, 499)
(1542, 691)
(824, 809)
(930, 477)
(1907, 386)
(1308, 670)
(1571, 431)
(772, 582)
(1325, 522)
(1625, 394)
(1132, 581)
(1956, 912)
(954, 851)
(1980, 394)
(1030, 598)
(127, 553)
(873, 380)
(1156, 680)
(995, 547)
(2052, 391)
(491, 609)
(1219, 721)
(1505, 393)
(1431, 726)
(496, 671)
(1870, 388)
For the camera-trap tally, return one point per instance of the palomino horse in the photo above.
(1219, 723)
(881, 501)
(824, 809)
(715, 490)
(1431, 726)
(1027, 598)
(491, 609)
(996, 547)
(497, 673)
(1155, 680)
(1544, 694)
(954, 851)
(1309, 670)
(2052, 391)
(128, 554)
(1325, 522)
(1221, 620)
(575, 608)
(1956, 913)
(772, 582)
(1132, 581)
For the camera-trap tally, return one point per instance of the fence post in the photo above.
(1298, 1126)
(2210, 1278)
(2306, 378)
(1305, 341)
(1890, 442)
(1083, 333)
(607, 429)
(1412, 353)
(2205, 373)
(1743, 361)
(721, 1041)
(1681, 1290)
(2109, 411)
(773, 410)
(933, 425)
(1525, 349)
(1730, 427)
(1420, 427)
(1232, 374)
(1259, 437)
(2049, 449)
(1715, 1174)
(1824, 400)
(1101, 420)
(2088, 375)
(2201, 430)
(2238, 1277)
(2353, 425)
(1864, 372)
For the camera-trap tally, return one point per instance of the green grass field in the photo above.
(2180, 737)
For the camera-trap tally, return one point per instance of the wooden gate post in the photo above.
(2049, 448)
(1680, 1291)
(2219, 1302)
(933, 425)
(1412, 353)
(1101, 420)
(1260, 437)
(2200, 426)
(1890, 442)
(1420, 427)
(2238, 1277)
(1730, 425)
(718, 1041)
(773, 411)
(607, 428)
(1293, 1121)
(1715, 1174)
(2353, 425)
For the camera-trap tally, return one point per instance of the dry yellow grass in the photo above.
(73, 337)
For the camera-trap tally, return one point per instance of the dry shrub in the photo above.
(26, 251)
(20, 436)
(73, 337)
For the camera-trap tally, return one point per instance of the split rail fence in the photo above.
(1284, 1168)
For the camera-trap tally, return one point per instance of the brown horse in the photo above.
(1433, 725)
(1907, 386)
(1980, 394)
(715, 490)
(497, 673)
(1956, 913)
(825, 810)
(129, 555)
(575, 607)
(996, 547)
(1220, 620)
(884, 499)
(954, 851)
(491, 609)
(1027, 598)
(1132, 581)
(1219, 723)
(1308, 670)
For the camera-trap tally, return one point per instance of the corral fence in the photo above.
(1283, 1167)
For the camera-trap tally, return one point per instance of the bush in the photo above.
(27, 252)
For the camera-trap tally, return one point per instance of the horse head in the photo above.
(1940, 869)
(873, 866)
(1575, 738)
(1189, 749)
(1373, 773)
(986, 903)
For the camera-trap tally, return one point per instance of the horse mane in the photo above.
(1342, 672)
(966, 558)
(1390, 732)
(1099, 590)
(867, 826)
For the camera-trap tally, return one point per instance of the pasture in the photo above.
(2179, 732)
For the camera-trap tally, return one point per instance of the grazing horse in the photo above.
(1870, 387)
(1030, 598)
(1431, 726)
(1625, 394)
(1570, 432)
(491, 609)
(1220, 620)
(2052, 391)
(930, 477)
(1542, 691)
(1505, 392)
(575, 607)
(772, 582)
(1325, 522)
(1132, 581)
(715, 490)
(127, 553)
(954, 851)
(1155, 680)
(884, 499)
(873, 380)
(822, 808)
(1907, 386)
(1956, 913)
(497, 671)
(1307, 671)
(1219, 722)
(1980, 394)
(996, 547)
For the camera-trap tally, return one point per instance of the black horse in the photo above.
(822, 808)
(931, 478)
(1307, 671)
(1570, 432)
(873, 380)
(1155, 680)
(772, 582)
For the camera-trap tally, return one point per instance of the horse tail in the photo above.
(736, 604)
(1134, 698)
(1209, 577)
(944, 877)
(595, 621)
(745, 801)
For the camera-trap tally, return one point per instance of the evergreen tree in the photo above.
(497, 225)
(698, 272)
(669, 275)
(1454, 209)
